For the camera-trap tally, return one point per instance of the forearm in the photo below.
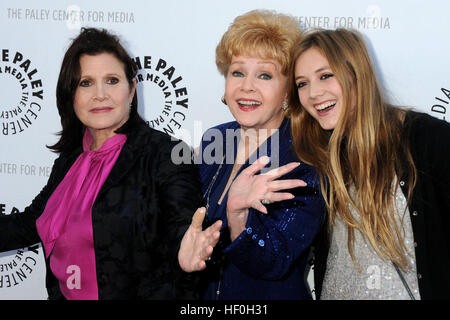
(237, 222)
(273, 237)
(17, 230)
(270, 244)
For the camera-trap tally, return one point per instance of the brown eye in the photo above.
(85, 83)
(237, 74)
(326, 76)
(265, 76)
(301, 85)
(113, 80)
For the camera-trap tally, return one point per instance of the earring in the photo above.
(223, 100)
(285, 105)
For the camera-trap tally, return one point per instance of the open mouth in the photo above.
(324, 107)
(248, 105)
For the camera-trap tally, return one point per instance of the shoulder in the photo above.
(145, 137)
(418, 121)
(424, 130)
(152, 135)
(218, 134)
(428, 138)
(65, 159)
(150, 143)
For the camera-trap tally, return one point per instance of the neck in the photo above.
(99, 137)
(250, 140)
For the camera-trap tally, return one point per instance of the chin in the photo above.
(328, 127)
(326, 124)
(247, 125)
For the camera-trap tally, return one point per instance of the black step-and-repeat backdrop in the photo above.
(174, 43)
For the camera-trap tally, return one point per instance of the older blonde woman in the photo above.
(265, 234)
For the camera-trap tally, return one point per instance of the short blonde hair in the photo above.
(261, 33)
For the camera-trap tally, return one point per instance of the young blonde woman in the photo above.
(385, 173)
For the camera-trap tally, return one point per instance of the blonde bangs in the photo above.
(260, 33)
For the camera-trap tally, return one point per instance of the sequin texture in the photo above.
(377, 279)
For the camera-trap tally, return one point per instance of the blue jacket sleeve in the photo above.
(271, 244)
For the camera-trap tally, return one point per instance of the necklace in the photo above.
(207, 193)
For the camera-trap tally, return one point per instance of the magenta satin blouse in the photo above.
(65, 226)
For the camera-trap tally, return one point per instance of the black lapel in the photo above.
(130, 153)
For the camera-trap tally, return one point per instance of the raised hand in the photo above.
(197, 245)
(252, 190)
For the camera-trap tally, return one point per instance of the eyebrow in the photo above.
(106, 75)
(316, 71)
(260, 62)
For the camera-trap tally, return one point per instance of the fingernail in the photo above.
(265, 159)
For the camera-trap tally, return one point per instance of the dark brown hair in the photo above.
(90, 41)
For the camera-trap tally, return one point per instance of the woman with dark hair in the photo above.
(115, 207)
(91, 42)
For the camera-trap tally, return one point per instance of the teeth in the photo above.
(326, 105)
(249, 103)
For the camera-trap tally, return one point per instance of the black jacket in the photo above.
(139, 217)
(429, 142)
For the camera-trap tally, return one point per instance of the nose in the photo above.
(315, 90)
(248, 84)
(100, 92)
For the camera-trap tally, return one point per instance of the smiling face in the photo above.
(103, 96)
(255, 89)
(318, 89)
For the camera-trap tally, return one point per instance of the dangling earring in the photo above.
(285, 105)
(223, 100)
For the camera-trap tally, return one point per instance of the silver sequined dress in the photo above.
(378, 279)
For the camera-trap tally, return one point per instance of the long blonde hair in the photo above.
(365, 150)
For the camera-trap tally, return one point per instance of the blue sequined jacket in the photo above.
(268, 260)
